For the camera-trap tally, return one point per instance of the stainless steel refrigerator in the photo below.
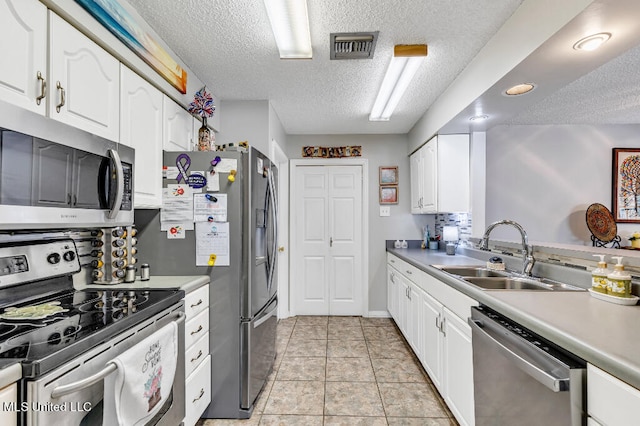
(243, 299)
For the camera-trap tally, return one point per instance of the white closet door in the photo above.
(327, 277)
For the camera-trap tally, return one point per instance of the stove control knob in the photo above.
(69, 256)
(53, 258)
(69, 331)
(54, 339)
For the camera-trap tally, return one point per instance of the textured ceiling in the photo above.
(607, 95)
(230, 46)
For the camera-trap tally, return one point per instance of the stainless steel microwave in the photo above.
(71, 180)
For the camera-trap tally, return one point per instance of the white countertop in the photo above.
(604, 334)
(10, 372)
(188, 283)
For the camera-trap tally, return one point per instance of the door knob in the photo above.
(281, 249)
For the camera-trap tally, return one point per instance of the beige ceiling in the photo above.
(230, 46)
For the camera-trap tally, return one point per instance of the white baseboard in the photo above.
(378, 314)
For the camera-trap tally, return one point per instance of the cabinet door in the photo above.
(414, 319)
(458, 367)
(432, 339)
(177, 132)
(415, 165)
(403, 304)
(23, 47)
(392, 292)
(8, 395)
(51, 159)
(89, 79)
(453, 173)
(430, 176)
(141, 128)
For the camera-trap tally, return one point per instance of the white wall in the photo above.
(245, 121)
(545, 177)
(276, 131)
(379, 150)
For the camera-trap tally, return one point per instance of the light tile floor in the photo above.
(337, 371)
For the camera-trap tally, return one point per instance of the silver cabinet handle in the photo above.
(199, 396)
(409, 272)
(330, 241)
(392, 261)
(193, 305)
(63, 98)
(197, 331)
(198, 357)
(393, 277)
(43, 88)
(442, 327)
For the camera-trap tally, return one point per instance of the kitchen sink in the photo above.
(473, 271)
(519, 283)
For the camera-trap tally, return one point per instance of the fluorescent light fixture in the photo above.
(404, 64)
(290, 24)
(592, 42)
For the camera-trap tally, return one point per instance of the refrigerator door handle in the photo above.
(274, 220)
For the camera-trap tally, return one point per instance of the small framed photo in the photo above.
(389, 194)
(389, 175)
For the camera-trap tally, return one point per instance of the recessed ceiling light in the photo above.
(479, 117)
(592, 42)
(519, 89)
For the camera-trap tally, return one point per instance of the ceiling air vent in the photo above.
(353, 45)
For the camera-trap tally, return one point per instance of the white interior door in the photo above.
(327, 272)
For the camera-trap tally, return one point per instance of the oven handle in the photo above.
(100, 375)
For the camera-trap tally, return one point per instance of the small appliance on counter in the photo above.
(115, 251)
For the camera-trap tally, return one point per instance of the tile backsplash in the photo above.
(461, 220)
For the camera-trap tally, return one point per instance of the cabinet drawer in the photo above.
(610, 401)
(411, 272)
(196, 301)
(195, 328)
(8, 395)
(195, 354)
(197, 392)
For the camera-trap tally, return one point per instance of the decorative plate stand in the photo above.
(603, 226)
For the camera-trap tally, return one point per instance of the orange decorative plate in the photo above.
(601, 223)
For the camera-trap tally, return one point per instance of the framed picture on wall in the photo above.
(389, 194)
(389, 175)
(626, 185)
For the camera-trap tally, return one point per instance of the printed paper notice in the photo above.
(212, 238)
(177, 207)
(226, 165)
(210, 207)
(213, 183)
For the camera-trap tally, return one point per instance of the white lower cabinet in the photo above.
(8, 395)
(610, 401)
(432, 316)
(197, 368)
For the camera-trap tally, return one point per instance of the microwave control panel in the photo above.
(127, 194)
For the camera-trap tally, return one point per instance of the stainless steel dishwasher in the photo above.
(522, 379)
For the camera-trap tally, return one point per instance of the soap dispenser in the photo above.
(619, 280)
(599, 275)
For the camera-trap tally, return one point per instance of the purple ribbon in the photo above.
(182, 167)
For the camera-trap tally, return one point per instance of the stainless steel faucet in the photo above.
(527, 250)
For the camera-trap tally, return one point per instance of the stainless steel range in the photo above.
(65, 339)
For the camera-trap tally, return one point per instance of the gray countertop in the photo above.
(188, 283)
(604, 334)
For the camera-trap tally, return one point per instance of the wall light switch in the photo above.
(385, 211)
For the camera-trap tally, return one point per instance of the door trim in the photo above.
(362, 162)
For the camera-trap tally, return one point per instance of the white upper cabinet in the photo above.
(178, 127)
(23, 48)
(141, 128)
(84, 81)
(440, 175)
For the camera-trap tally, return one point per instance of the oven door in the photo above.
(45, 184)
(77, 388)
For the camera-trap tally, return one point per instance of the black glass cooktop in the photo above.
(46, 332)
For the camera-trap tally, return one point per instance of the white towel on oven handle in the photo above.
(140, 386)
